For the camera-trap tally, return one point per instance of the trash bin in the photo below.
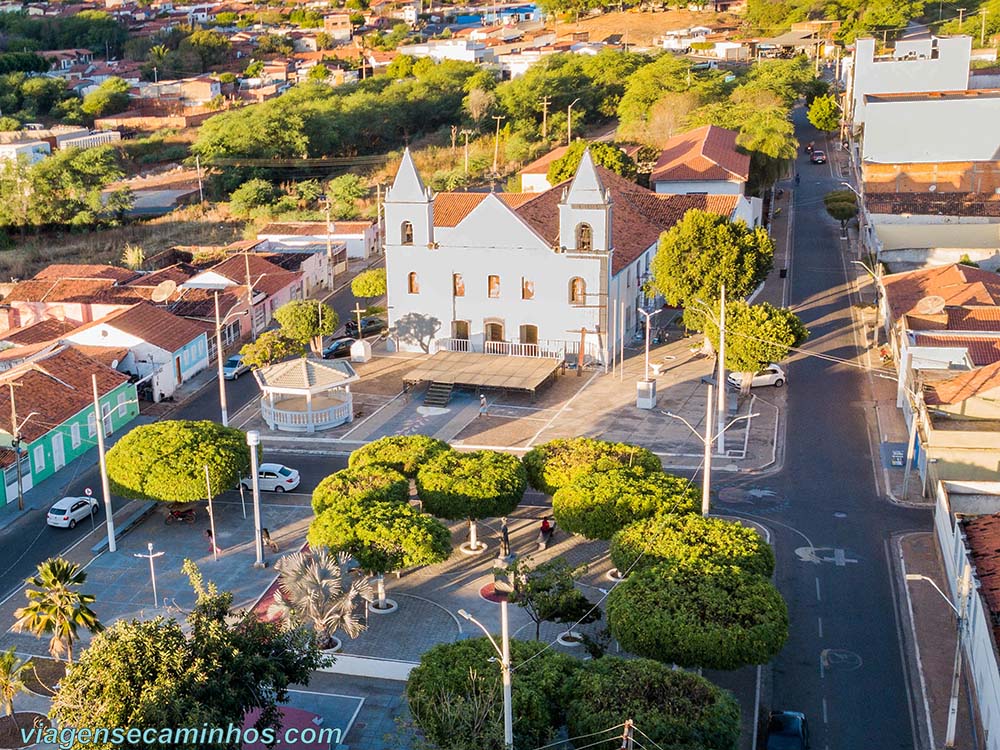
(645, 394)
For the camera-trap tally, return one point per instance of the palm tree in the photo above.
(55, 606)
(311, 592)
(12, 672)
(158, 54)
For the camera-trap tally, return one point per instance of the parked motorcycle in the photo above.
(180, 516)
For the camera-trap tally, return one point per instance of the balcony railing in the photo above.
(297, 420)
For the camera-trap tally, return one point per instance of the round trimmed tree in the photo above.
(673, 708)
(690, 538)
(365, 484)
(561, 462)
(480, 484)
(404, 453)
(166, 461)
(382, 537)
(597, 505)
(716, 617)
(454, 694)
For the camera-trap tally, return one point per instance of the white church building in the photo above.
(528, 274)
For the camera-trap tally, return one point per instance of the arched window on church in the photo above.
(577, 291)
(406, 233)
(412, 283)
(584, 238)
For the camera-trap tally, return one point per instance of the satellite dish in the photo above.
(114, 364)
(163, 290)
(931, 305)
(932, 188)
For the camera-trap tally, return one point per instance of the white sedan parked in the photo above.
(274, 478)
(71, 510)
(770, 375)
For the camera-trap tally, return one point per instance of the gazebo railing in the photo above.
(289, 420)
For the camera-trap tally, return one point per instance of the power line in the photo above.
(615, 728)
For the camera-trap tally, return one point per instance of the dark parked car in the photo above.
(339, 348)
(787, 730)
(818, 157)
(369, 326)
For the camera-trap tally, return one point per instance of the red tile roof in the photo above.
(307, 228)
(982, 535)
(707, 153)
(109, 356)
(982, 351)
(958, 285)
(57, 290)
(56, 386)
(40, 332)
(933, 204)
(72, 271)
(964, 386)
(152, 324)
(541, 165)
(199, 304)
(451, 208)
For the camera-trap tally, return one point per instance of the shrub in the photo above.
(404, 453)
(681, 540)
(598, 505)
(480, 484)
(560, 462)
(455, 694)
(716, 617)
(367, 484)
(250, 195)
(674, 708)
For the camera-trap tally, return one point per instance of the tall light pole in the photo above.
(152, 569)
(218, 355)
(503, 651)
(647, 315)
(961, 616)
(103, 462)
(16, 443)
(253, 440)
(569, 122)
(496, 143)
(720, 409)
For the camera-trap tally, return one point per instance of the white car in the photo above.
(233, 367)
(274, 478)
(71, 510)
(770, 375)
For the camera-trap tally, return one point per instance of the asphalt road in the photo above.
(842, 664)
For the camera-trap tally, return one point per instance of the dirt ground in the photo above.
(638, 27)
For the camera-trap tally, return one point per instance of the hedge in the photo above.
(561, 462)
(366, 484)
(717, 617)
(404, 453)
(673, 708)
(691, 538)
(597, 505)
(480, 484)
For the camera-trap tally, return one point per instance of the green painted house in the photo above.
(52, 399)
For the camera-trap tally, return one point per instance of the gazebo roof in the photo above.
(305, 375)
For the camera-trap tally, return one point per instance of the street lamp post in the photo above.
(102, 461)
(152, 569)
(253, 440)
(218, 355)
(569, 122)
(648, 316)
(961, 617)
(503, 651)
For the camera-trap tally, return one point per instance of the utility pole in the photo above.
(211, 515)
(627, 743)
(911, 440)
(569, 123)
(721, 406)
(201, 192)
(982, 30)
(706, 482)
(218, 357)
(962, 614)
(103, 463)
(961, 13)
(16, 434)
(329, 241)
(152, 569)
(466, 133)
(253, 325)
(545, 117)
(454, 137)
(253, 440)
(496, 143)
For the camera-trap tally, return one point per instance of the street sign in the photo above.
(88, 492)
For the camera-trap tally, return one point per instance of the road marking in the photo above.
(819, 623)
(824, 712)
(819, 555)
(840, 659)
(822, 671)
(818, 597)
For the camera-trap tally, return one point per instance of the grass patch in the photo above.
(44, 676)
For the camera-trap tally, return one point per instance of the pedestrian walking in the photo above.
(482, 405)
(211, 542)
(796, 178)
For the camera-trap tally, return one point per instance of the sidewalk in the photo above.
(929, 635)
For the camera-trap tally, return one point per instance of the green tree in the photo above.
(251, 195)
(787, 79)
(66, 188)
(272, 44)
(110, 98)
(604, 154)
(673, 708)
(40, 94)
(253, 69)
(403, 453)
(166, 461)
(454, 694)
(824, 113)
(362, 484)
(311, 593)
(702, 252)
(8, 124)
(716, 617)
(756, 335)
(318, 73)
(269, 348)
(400, 67)
(382, 536)
(547, 592)
(842, 205)
(12, 675)
(474, 485)
(212, 672)
(344, 192)
(600, 504)
(687, 539)
(369, 284)
(56, 608)
(561, 462)
(211, 47)
(307, 322)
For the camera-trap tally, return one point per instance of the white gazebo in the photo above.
(305, 395)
